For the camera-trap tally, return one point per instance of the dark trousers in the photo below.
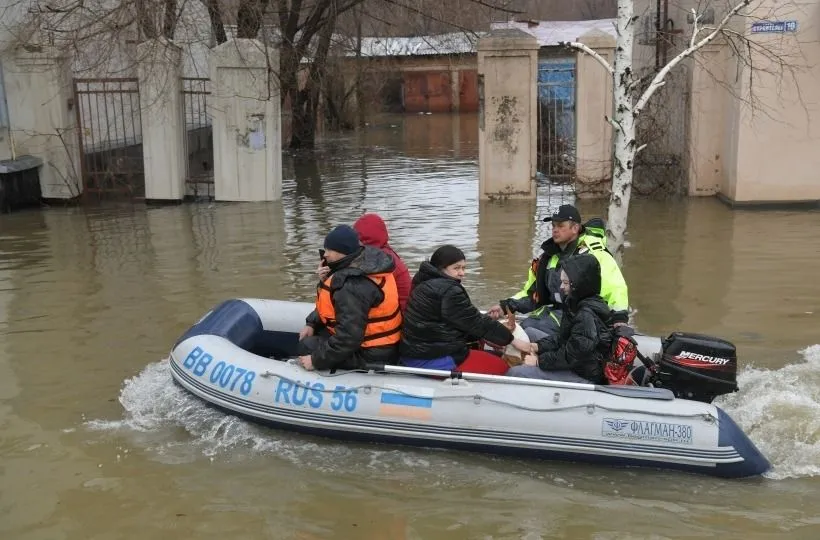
(310, 343)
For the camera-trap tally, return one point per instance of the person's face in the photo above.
(333, 256)
(565, 284)
(456, 270)
(564, 232)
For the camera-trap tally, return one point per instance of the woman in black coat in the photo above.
(440, 321)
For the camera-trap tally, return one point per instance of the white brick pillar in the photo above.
(247, 125)
(593, 136)
(507, 71)
(42, 119)
(159, 69)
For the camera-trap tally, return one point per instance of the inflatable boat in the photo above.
(240, 358)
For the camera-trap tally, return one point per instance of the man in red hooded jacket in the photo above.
(373, 232)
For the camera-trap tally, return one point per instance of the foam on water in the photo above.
(177, 427)
(779, 410)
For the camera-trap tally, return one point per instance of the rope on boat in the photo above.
(477, 398)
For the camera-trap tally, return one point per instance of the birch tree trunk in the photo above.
(624, 127)
(627, 108)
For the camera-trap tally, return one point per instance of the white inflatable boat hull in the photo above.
(576, 422)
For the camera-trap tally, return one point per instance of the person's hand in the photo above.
(523, 346)
(510, 324)
(307, 331)
(306, 362)
(322, 271)
(531, 360)
(495, 312)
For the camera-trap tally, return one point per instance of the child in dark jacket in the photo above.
(578, 352)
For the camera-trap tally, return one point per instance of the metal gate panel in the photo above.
(110, 137)
(198, 137)
(556, 119)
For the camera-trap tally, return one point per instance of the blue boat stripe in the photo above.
(673, 452)
(402, 399)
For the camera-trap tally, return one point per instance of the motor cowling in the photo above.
(696, 366)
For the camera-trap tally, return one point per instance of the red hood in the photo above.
(372, 230)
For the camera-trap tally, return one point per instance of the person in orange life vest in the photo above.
(357, 319)
(373, 232)
(441, 321)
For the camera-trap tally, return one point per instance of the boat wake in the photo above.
(779, 410)
(177, 427)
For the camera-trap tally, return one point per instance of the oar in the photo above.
(387, 368)
(624, 391)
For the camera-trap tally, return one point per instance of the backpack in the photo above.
(621, 358)
(620, 367)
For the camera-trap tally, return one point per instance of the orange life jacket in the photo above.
(383, 321)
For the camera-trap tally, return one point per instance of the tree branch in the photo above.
(586, 50)
(657, 81)
(695, 29)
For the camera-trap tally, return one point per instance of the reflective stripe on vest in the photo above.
(594, 244)
(383, 321)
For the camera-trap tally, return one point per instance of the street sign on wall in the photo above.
(774, 27)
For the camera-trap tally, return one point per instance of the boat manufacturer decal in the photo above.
(619, 428)
(407, 402)
(223, 374)
(686, 355)
(314, 395)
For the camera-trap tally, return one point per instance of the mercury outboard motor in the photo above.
(696, 366)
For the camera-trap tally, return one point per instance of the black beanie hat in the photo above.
(342, 238)
(445, 256)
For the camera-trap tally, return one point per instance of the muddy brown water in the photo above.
(96, 442)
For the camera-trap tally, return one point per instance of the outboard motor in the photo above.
(696, 366)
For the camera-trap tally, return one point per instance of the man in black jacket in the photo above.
(357, 319)
(579, 351)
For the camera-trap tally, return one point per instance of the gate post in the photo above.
(159, 70)
(507, 116)
(707, 112)
(593, 154)
(42, 121)
(247, 127)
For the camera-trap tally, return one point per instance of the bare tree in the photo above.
(631, 96)
(308, 33)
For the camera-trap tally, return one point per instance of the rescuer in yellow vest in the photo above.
(357, 319)
(540, 296)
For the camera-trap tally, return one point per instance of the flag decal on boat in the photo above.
(407, 402)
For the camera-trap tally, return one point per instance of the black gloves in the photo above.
(509, 303)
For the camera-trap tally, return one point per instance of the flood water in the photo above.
(96, 441)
